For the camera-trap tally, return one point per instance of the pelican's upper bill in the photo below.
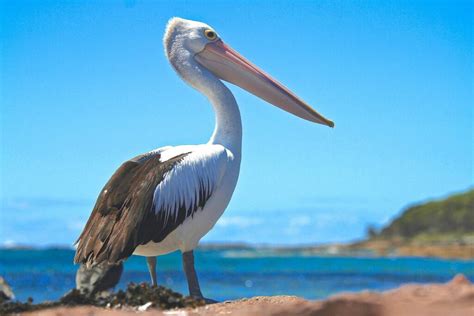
(188, 41)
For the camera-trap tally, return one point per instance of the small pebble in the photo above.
(145, 307)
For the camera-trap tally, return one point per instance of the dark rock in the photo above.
(99, 278)
(6, 292)
(159, 296)
(137, 296)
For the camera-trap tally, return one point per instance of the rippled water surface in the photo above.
(235, 273)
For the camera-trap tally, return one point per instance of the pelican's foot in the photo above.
(206, 300)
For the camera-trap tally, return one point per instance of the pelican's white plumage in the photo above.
(202, 168)
(196, 180)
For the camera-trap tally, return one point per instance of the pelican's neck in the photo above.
(228, 129)
(180, 52)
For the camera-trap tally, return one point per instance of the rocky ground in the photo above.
(135, 297)
(455, 298)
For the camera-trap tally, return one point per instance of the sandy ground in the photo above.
(454, 298)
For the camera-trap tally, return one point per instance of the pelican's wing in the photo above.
(147, 198)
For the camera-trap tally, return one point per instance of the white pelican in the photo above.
(169, 198)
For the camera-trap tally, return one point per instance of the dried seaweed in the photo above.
(134, 296)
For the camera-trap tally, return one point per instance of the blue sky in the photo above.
(85, 86)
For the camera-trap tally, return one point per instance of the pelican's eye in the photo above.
(210, 34)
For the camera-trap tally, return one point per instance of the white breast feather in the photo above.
(203, 167)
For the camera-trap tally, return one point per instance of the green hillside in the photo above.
(450, 217)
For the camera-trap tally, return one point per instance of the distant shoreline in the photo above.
(366, 248)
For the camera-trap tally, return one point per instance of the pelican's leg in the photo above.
(151, 263)
(191, 276)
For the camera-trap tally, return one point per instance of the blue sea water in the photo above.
(235, 273)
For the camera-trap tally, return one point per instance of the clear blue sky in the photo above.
(85, 86)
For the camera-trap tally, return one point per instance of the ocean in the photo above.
(225, 274)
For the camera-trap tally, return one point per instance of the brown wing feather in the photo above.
(117, 223)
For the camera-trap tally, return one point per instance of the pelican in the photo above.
(167, 199)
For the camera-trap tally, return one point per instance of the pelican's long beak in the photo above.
(230, 66)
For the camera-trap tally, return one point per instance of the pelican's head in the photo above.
(187, 40)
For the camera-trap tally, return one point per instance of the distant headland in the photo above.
(442, 228)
